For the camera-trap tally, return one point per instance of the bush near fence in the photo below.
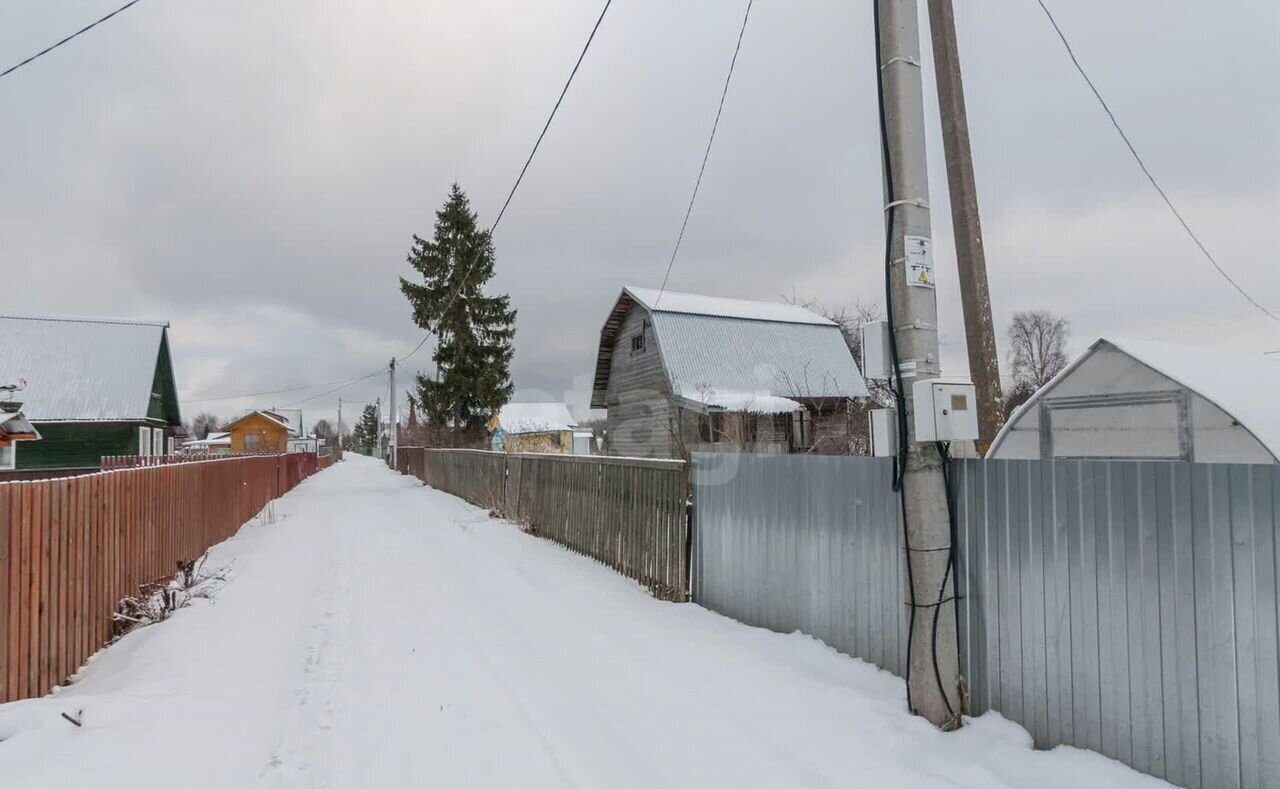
(628, 513)
(72, 548)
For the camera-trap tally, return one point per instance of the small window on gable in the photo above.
(9, 457)
(637, 343)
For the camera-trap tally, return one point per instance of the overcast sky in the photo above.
(253, 171)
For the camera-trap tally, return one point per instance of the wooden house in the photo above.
(260, 431)
(94, 387)
(680, 373)
(532, 427)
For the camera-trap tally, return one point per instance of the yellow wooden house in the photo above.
(260, 431)
(532, 427)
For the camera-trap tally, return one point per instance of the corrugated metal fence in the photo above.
(1130, 608)
(628, 513)
(803, 542)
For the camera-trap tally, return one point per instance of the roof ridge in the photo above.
(85, 319)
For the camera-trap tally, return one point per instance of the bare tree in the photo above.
(1037, 352)
(322, 429)
(203, 424)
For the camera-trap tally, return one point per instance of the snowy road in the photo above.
(382, 634)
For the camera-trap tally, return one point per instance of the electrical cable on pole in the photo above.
(933, 676)
(705, 155)
(52, 47)
(511, 194)
(1147, 172)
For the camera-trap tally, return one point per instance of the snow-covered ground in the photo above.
(382, 634)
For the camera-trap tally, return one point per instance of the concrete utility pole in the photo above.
(975, 297)
(914, 313)
(337, 452)
(392, 441)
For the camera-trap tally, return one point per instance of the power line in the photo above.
(270, 392)
(336, 389)
(493, 228)
(1159, 190)
(706, 155)
(52, 47)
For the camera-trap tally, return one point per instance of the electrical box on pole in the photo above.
(877, 355)
(883, 423)
(946, 409)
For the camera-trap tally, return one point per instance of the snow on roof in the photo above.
(270, 415)
(211, 440)
(535, 418)
(1241, 383)
(792, 360)
(748, 402)
(81, 368)
(14, 423)
(692, 304)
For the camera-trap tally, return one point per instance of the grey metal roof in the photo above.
(80, 368)
(694, 304)
(728, 354)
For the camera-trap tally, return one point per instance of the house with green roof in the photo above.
(93, 387)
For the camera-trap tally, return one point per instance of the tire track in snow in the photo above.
(303, 742)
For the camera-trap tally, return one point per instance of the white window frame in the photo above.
(11, 452)
(157, 441)
(144, 441)
(170, 445)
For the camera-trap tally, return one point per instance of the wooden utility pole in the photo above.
(933, 682)
(975, 297)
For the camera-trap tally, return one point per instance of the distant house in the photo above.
(532, 427)
(14, 428)
(680, 373)
(260, 431)
(212, 444)
(95, 387)
(1126, 399)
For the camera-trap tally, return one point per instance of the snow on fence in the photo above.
(1126, 607)
(72, 548)
(629, 513)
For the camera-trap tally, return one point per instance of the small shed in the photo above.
(94, 387)
(260, 431)
(1141, 400)
(532, 427)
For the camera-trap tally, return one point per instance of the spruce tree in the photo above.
(365, 433)
(474, 332)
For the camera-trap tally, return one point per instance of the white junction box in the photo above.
(877, 359)
(884, 432)
(946, 409)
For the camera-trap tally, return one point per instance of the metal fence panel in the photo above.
(1132, 608)
(798, 542)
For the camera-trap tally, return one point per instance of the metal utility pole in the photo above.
(394, 418)
(933, 688)
(971, 259)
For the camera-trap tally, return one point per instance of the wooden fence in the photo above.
(628, 513)
(72, 548)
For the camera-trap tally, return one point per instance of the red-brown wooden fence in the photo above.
(71, 548)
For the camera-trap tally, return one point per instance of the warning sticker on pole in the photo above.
(919, 262)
